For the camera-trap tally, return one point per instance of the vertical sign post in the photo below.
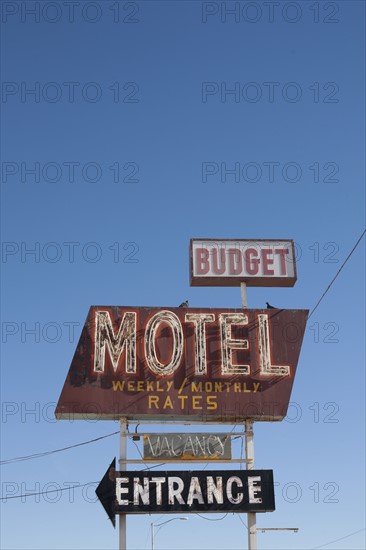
(249, 452)
(122, 467)
(152, 536)
(243, 290)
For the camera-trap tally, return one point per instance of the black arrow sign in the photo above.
(106, 492)
(136, 492)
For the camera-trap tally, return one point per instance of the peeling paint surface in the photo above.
(178, 364)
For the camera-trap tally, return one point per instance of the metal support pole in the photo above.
(243, 290)
(122, 468)
(249, 455)
(249, 449)
(152, 536)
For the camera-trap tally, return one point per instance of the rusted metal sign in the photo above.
(214, 365)
(230, 262)
(186, 491)
(184, 446)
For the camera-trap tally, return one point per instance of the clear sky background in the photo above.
(118, 134)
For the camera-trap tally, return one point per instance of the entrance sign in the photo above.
(171, 364)
(187, 446)
(186, 491)
(231, 262)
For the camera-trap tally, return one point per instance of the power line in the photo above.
(336, 275)
(147, 467)
(208, 519)
(46, 453)
(243, 522)
(337, 540)
(68, 488)
(51, 491)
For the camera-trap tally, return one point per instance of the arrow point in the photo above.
(106, 492)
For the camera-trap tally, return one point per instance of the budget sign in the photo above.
(217, 262)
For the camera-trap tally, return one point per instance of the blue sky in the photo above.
(128, 121)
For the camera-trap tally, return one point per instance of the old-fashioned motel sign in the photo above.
(186, 491)
(148, 363)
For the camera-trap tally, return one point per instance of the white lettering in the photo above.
(169, 318)
(215, 440)
(264, 346)
(105, 337)
(119, 339)
(199, 320)
(229, 484)
(174, 452)
(121, 490)
(228, 344)
(214, 490)
(253, 489)
(159, 482)
(175, 493)
(195, 492)
(141, 491)
(188, 447)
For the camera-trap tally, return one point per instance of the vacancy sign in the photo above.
(189, 364)
(186, 491)
(231, 262)
(187, 446)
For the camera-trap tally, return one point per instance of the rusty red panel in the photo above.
(171, 364)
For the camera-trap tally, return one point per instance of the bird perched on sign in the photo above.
(184, 304)
(270, 307)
